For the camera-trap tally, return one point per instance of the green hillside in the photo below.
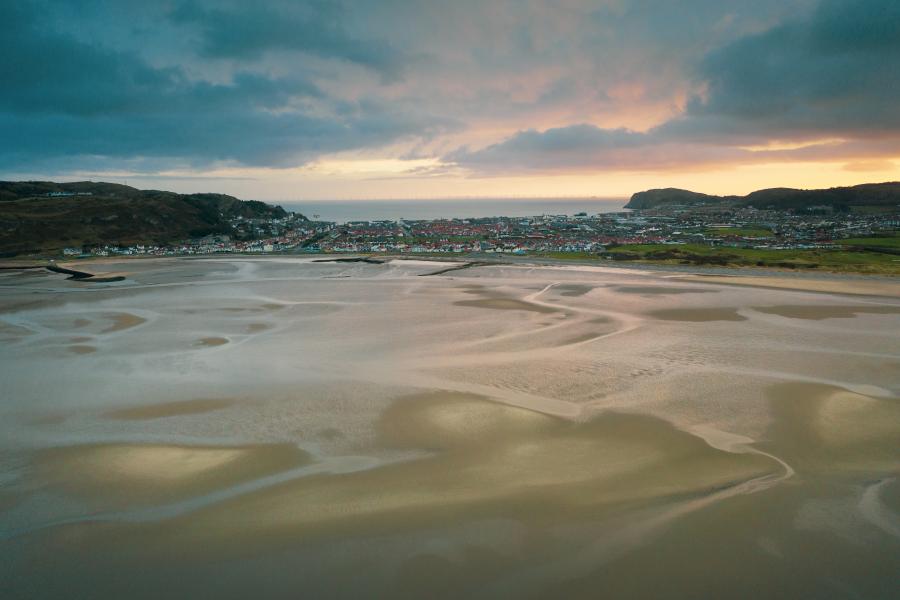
(838, 199)
(35, 219)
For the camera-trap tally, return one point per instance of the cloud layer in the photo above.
(480, 88)
(828, 82)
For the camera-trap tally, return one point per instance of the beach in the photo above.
(286, 427)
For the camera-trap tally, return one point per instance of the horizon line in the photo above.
(451, 199)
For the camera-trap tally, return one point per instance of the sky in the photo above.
(330, 99)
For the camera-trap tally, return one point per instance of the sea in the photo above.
(341, 211)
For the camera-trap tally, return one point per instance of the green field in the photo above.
(856, 261)
(891, 242)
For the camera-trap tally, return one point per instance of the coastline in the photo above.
(818, 281)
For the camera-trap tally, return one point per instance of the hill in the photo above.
(42, 216)
(670, 196)
(839, 198)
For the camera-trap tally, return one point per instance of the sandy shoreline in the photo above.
(823, 281)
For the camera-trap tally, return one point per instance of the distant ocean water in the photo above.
(370, 210)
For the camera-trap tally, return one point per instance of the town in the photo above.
(578, 234)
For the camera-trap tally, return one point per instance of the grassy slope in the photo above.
(890, 242)
(31, 222)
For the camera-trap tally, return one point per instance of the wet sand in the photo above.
(107, 475)
(827, 429)
(658, 289)
(698, 315)
(484, 459)
(82, 349)
(210, 342)
(573, 290)
(123, 321)
(505, 304)
(492, 432)
(817, 313)
(170, 409)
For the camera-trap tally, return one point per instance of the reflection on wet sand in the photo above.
(140, 474)
(826, 428)
(485, 459)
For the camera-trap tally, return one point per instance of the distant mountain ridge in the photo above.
(37, 216)
(838, 198)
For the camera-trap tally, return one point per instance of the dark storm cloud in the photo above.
(834, 74)
(42, 72)
(249, 30)
(837, 72)
(64, 97)
(196, 137)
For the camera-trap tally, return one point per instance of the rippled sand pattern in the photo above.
(282, 428)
